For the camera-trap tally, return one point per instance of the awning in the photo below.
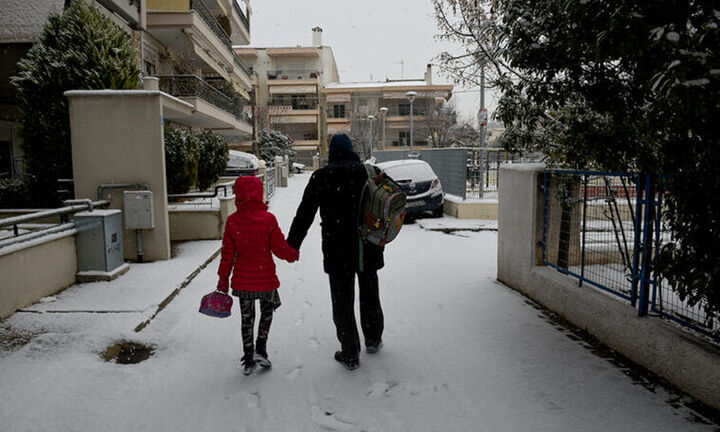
(338, 97)
(298, 89)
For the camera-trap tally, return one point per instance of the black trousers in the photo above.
(342, 291)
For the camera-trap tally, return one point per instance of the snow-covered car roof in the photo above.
(238, 159)
(408, 169)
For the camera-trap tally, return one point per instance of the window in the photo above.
(404, 109)
(338, 111)
(150, 59)
(404, 137)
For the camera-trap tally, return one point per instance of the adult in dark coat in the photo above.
(336, 189)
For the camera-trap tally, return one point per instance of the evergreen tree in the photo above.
(78, 49)
(620, 85)
(213, 158)
(272, 143)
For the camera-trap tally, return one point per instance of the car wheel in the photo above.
(438, 212)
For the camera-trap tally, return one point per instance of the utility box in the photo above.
(139, 210)
(99, 240)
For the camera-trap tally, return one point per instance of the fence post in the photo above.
(481, 170)
(646, 254)
(584, 228)
(639, 189)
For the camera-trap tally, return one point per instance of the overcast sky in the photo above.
(369, 38)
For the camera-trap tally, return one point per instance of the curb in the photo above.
(163, 304)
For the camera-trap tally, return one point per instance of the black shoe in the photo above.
(248, 364)
(373, 347)
(348, 362)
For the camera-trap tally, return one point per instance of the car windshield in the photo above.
(416, 172)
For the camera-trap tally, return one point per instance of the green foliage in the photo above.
(620, 85)
(272, 143)
(78, 49)
(182, 153)
(14, 193)
(213, 158)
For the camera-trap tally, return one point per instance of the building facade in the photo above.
(381, 110)
(186, 44)
(297, 91)
(288, 92)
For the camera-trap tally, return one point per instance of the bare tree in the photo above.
(363, 132)
(438, 125)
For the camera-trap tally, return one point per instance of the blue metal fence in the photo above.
(606, 230)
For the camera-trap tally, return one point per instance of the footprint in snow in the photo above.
(380, 389)
(327, 420)
(314, 345)
(293, 373)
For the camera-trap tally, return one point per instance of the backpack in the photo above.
(382, 208)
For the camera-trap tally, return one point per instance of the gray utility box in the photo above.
(99, 240)
(139, 210)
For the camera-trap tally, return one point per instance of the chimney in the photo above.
(428, 74)
(317, 37)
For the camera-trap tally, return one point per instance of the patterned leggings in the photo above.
(247, 308)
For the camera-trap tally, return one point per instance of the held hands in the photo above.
(296, 255)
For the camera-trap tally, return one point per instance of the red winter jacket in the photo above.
(251, 237)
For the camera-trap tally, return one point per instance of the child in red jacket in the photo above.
(251, 237)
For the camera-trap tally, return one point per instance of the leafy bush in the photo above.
(78, 49)
(213, 158)
(272, 143)
(182, 152)
(14, 193)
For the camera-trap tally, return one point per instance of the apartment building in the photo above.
(288, 87)
(356, 105)
(186, 44)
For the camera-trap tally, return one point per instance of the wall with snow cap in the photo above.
(35, 269)
(691, 364)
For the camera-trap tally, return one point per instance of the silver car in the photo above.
(420, 184)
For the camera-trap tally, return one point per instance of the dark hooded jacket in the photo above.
(251, 237)
(335, 189)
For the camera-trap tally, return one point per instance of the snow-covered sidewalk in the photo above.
(462, 353)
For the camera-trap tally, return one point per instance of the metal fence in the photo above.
(606, 230)
(483, 168)
(449, 165)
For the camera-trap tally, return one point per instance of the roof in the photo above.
(23, 20)
(387, 86)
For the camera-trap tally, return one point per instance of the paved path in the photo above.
(462, 353)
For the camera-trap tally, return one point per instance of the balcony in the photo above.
(293, 74)
(129, 10)
(188, 27)
(213, 109)
(241, 23)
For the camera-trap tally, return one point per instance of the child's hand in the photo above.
(223, 286)
(296, 255)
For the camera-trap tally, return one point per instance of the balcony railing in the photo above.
(241, 64)
(194, 86)
(243, 17)
(293, 74)
(207, 17)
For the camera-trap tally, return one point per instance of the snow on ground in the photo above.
(462, 353)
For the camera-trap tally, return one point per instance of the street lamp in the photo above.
(411, 97)
(383, 113)
(371, 118)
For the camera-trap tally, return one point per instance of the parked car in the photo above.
(420, 184)
(241, 163)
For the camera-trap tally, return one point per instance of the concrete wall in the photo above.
(456, 207)
(689, 363)
(117, 137)
(200, 224)
(22, 285)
